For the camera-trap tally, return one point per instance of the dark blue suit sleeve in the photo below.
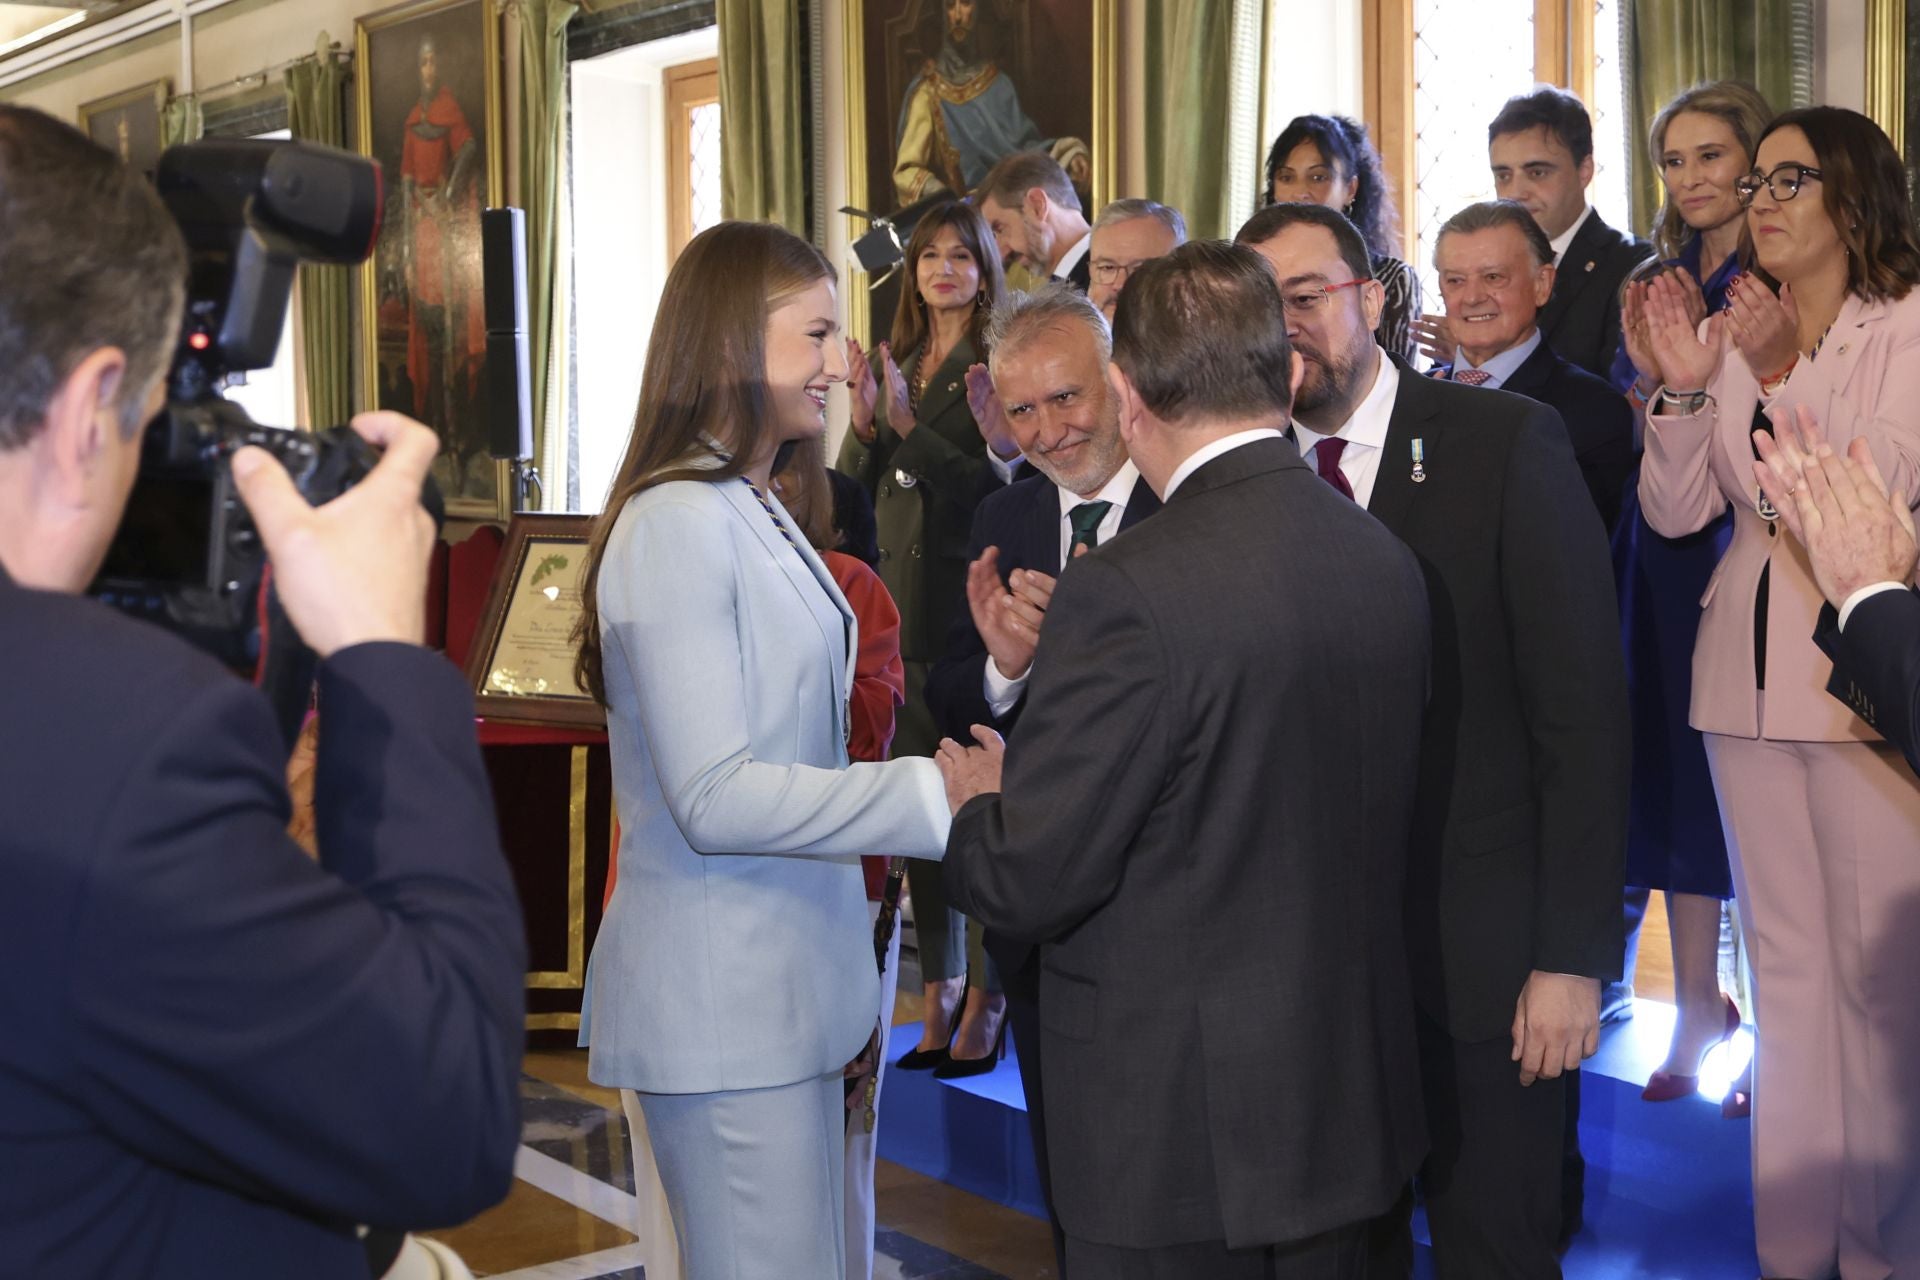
(1876, 665)
(344, 1038)
(956, 686)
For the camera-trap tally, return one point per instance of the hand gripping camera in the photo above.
(187, 555)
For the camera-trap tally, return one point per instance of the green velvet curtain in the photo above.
(763, 51)
(1189, 100)
(1679, 43)
(316, 112)
(181, 121)
(542, 51)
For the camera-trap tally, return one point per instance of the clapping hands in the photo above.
(1838, 506)
(984, 403)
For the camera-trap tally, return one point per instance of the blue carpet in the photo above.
(1668, 1190)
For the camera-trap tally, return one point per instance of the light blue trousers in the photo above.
(755, 1179)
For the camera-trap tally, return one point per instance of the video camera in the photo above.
(186, 555)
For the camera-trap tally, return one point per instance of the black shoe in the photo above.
(960, 1068)
(930, 1059)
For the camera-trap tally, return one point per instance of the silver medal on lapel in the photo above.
(905, 479)
(1419, 461)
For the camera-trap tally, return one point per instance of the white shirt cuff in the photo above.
(1003, 694)
(1004, 468)
(1846, 610)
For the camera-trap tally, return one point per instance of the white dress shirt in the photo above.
(1071, 258)
(1002, 693)
(1501, 367)
(1565, 238)
(1365, 433)
(1873, 589)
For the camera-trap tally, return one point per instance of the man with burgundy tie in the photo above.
(1496, 272)
(1050, 350)
(1204, 823)
(1519, 831)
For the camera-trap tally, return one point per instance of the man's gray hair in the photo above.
(1054, 305)
(1134, 207)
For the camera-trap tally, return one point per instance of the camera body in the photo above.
(187, 555)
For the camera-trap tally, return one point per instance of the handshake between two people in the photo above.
(353, 570)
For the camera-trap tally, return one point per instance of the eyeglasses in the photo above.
(1302, 302)
(1104, 272)
(1784, 182)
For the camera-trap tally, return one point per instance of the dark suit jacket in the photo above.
(1521, 818)
(1023, 521)
(923, 525)
(1598, 419)
(1082, 274)
(219, 1056)
(1876, 665)
(1581, 320)
(1205, 816)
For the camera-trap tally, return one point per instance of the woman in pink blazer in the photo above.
(1821, 816)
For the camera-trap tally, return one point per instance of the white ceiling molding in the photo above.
(101, 36)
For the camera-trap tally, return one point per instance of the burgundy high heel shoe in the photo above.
(1666, 1086)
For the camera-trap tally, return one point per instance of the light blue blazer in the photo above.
(736, 953)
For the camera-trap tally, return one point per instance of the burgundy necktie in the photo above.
(1326, 457)
(1472, 377)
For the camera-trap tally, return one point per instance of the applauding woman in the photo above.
(1823, 816)
(1702, 146)
(733, 980)
(919, 453)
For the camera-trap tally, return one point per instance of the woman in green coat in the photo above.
(914, 446)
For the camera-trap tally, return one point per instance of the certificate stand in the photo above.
(545, 746)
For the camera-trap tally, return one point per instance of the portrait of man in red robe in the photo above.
(437, 245)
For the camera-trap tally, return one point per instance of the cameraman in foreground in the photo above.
(217, 1057)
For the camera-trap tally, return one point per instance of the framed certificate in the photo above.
(521, 664)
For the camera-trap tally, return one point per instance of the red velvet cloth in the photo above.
(879, 678)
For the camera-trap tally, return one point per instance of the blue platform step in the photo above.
(1668, 1191)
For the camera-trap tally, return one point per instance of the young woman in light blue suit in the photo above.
(733, 980)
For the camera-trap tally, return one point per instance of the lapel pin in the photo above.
(1592, 265)
(1419, 461)
(904, 478)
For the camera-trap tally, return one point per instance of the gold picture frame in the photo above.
(1887, 69)
(131, 124)
(422, 318)
(520, 667)
(899, 22)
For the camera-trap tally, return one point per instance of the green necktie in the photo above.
(1085, 520)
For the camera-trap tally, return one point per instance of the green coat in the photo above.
(924, 526)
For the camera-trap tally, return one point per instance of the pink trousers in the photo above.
(1825, 838)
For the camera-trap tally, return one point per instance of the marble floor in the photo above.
(569, 1214)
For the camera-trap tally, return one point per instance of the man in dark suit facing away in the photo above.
(1519, 830)
(1496, 270)
(1204, 823)
(219, 1055)
(1051, 351)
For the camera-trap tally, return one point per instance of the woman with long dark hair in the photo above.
(1330, 160)
(733, 982)
(1823, 816)
(915, 447)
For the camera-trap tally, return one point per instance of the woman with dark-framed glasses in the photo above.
(1822, 820)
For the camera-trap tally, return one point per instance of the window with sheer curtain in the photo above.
(1463, 59)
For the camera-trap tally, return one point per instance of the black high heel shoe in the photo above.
(931, 1059)
(960, 1068)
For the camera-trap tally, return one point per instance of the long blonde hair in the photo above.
(704, 379)
(1743, 110)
